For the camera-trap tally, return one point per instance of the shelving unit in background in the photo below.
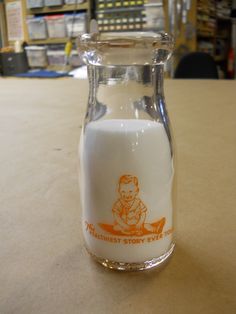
(55, 44)
(120, 15)
(60, 9)
(129, 15)
(49, 41)
(214, 30)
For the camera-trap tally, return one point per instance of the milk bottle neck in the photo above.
(126, 92)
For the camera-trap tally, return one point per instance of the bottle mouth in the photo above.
(129, 48)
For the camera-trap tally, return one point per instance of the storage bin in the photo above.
(37, 57)
(51, 3)
(13, 63)
(31, 4)
(75, 60)
(154, 17)
(37, 28)
(73, 1)
(56, 55)
(56, 26)
(75, 24)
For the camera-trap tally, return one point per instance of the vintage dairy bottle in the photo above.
(126, 153)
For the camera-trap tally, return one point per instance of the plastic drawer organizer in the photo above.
(75, 24)
(37, 57)
(73, 1)
(56, 55)
(75, 60)
(56, 26)
(51, 3)
(32, 4)
(120, 15)
(37, 28)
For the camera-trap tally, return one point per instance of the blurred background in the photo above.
(41, 34)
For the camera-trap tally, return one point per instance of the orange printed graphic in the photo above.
(129, 212)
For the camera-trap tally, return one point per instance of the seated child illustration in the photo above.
(129, 211)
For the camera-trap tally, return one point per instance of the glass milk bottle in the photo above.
(126, 156)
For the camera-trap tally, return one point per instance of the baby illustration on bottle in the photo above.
(129, 211)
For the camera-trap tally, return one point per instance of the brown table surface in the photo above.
(44, 267)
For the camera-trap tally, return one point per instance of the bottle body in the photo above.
(126, 182)
(126, 165)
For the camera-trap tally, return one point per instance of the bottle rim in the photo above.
(126, 40)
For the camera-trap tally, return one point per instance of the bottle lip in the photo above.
(129, 48)
(126, 40)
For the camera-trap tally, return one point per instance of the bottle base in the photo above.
(153, 263)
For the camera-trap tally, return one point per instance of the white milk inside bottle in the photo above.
(126, 182)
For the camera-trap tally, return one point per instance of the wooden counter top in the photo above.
(44, 268)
